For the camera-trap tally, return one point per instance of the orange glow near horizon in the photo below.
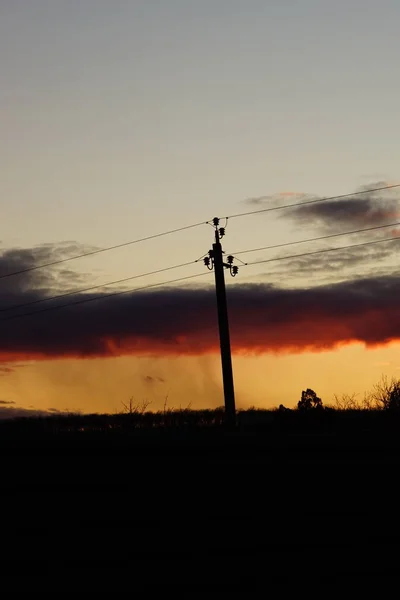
(264, 381)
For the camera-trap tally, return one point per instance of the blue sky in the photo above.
(121, 118)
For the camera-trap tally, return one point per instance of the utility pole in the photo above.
(215, 261)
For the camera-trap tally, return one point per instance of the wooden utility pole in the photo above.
(215, 261)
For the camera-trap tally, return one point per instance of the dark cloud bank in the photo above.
(16, 412)
(264, 318)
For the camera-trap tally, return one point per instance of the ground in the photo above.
(201, 506)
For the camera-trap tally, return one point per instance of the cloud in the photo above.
(6, 402)
(183, 321)
(44, 281)
(350, 213)
(353, 262)
(174, 321)
(10, 412)
(355, 212)
(8, 368)
(333, 217)
(5, 370)
(152, 380)
(368, 209)
(272, 200)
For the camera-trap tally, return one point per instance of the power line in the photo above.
(153, 285)
(92, 252)
(103, 297)
(323, 250)
(271, 208)
(179, 229)
(317, 239)
(93, 287)
(8, 308)
(23, 305)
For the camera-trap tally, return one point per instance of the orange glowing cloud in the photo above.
(263, 319)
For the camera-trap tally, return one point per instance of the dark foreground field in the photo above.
(118, 504)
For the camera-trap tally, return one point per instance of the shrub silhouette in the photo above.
(309, 400)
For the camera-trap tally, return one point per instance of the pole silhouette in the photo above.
(215, 261)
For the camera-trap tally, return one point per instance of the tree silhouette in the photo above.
(394, 398)
(309, 400)
(386, 394)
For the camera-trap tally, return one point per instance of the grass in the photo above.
(260, 420)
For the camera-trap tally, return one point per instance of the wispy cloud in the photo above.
(365, 209)
(151, 380)
(43, 281)
(272, 200)
(8, 368)
(5, 370)
(340, 216)
(336, 265)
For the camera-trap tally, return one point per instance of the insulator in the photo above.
(216, 221)
(221, 231)
(235, 270)
(207, 261)
(229, 259)
(211, 253)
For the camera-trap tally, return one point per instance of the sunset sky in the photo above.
(126, 118)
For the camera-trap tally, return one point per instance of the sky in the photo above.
(124, 119)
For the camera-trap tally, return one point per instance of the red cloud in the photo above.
(263, 319)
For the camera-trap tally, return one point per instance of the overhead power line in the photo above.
(314, 201)
(93, 287)
(259, 262)
(92, 252)
(102, 297)
(179, 229)
(317, 239)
